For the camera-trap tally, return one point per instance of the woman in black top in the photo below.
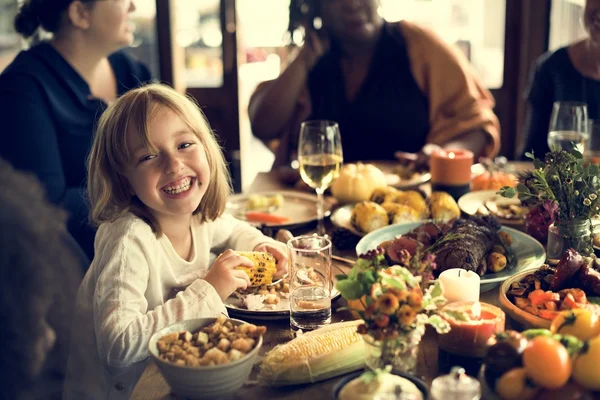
(52, 94)
(570, 73)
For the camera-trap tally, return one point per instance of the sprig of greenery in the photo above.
(563, 178)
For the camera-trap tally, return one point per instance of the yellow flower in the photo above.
(387, 303)
(415, 298)
(406, 315)
(401, 295)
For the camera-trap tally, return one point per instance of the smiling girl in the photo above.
(158, 185)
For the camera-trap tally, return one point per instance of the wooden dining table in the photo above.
(152, 385)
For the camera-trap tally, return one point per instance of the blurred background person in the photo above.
(571, 73)
(52, 94)
(390, 86)
(39, 275)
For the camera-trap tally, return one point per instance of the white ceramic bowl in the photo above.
(206, 382)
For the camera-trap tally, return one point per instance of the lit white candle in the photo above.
(460, 285)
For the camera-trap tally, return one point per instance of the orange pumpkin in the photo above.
(493, 181)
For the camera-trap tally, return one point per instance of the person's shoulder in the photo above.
(553, 60)
(28, 69)
(416, 33)
(127, 229)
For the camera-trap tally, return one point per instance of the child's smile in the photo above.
(180, 187)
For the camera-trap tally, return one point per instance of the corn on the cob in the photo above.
(264, 268)
(367, 216)
(381, 193)
(400, 213)
(321, 354)
(443, 207)
(414, 200)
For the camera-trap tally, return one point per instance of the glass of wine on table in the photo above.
(320, 158)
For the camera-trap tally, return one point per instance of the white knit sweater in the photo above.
(126, 296)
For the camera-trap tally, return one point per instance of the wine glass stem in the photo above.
(320, 218)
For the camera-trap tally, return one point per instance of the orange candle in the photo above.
(469, 338)
(451, 167)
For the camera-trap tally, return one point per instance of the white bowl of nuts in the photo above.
(207, 358)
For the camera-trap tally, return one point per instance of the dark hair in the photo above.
(302, 13)
(39, 276)
(47, 14)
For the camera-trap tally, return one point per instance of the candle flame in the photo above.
(476, 310)
(451, 155)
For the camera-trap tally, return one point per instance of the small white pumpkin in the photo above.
(356, 182)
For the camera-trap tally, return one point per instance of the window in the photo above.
(144, 46)
(565, 23)
(10, 42)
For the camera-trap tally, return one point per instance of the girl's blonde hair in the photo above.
(109, 191)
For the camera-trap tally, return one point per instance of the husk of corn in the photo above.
(314, 356)
(263, 270)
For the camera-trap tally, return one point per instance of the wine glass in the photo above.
(568, 128)
(320, 158)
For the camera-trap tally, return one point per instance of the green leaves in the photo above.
(439, 324)
(455, 315)
(507, 191)
(350, 289)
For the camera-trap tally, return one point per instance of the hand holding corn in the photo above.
(224, 275)
(279, 251)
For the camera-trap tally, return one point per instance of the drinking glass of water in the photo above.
(310, 282)
(568, 128)
(320, 158)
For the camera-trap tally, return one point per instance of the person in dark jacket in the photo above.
(52, 94)
(571, 73)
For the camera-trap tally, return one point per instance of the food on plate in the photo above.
(258, 201)
(510, 211)
(264, 267)
(378, 384)
(326, 352)
(496, 261)
(467, 243)
(549, 290)
(264, 297)
(218, 343)
(367, 216)
(597, 240)
(380, 194)
(400, 213)
(443, 207)
(405, 172)
(493, 181)
(265, 218)
(356, 182)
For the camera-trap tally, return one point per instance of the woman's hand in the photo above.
(417, 161)
(313, 49)
(279, 251)
(224, 277)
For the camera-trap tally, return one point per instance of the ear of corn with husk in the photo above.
(263, 270)
(443, 207)
(314, 356)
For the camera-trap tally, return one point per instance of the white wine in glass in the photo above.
(320, 157)
(568, 128)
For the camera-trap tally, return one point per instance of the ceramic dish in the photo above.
(300, 208)
(235, 307)
(393, 179)
(206, 382)
(419, 383)
(530, 254)
(341, 218)
(523, 317)
(473, 202)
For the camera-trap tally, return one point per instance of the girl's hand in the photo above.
(279, 251)
(224, 278)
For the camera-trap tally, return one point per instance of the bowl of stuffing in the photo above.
(206, 358)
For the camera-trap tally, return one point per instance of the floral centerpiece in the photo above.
(563, 194)
(395, 306)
